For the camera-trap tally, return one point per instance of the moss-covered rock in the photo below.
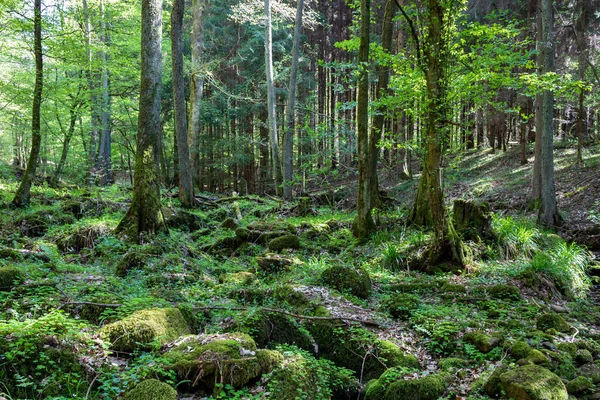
(537, 357)
(522, 352)
(284, 242)
(552, 321)
(151, 389)
(451, 364)
(590, 345)
(431, 387)
(482, 341)
(229, 223)
(291, 296)
(452, 288)
(568, 348)
(273, 263)
(375, 390)
(143, 327)
(401, 305)
(591, 371)
(268, 329)
(583, 356)
(531, 382)
(579, 385)
(230, 358)
(355, 281)
(238, 278)
(504, 292)
(8, 276)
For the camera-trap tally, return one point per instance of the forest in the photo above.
(300, 199)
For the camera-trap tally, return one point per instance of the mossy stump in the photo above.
(8, 276)
(355, 281)
(472, 221)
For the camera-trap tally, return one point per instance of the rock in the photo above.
(531, 382)
(401, 305)
(452, 288)
(473, 221)
(431, 387)
(181, 219)
(268, 329)
(229, 358)
(520, 350)
(579, 385)
(552, 321)
(143, 327)
(504, 292)
(482, 341)
(239, 278)
(583, 356)
(452, 364)
(591, 371)
(537, 357)
(272, 263)
(355, 281)
(151, 389)
(8, 276)
(559, 309)
(284, 242)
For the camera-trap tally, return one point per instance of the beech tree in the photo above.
(23, 194)
(145, 214)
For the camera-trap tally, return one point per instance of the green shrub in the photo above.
(516, 237)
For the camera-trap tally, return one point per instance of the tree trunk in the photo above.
(273, 135)
(73, 115)
(103, 165)
(196, 88)
(539, 125)
(581, 121)
(363, 224)
(186, 185)
(548, 215)
(94, 117)
(145, 215)
(23, 194)
(291, 108)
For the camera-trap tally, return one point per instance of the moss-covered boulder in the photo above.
(273, 263)
(230, 358)
(430, 387)
(151, 389)
(268, 329)
(345, 279)
(552, 321)
(579, 385)
(284, 242)
(452, 288)
(451, 364)
(591, 371)
(401, 305)
(504, 292)
(8, 276)
(238, 278)
(531, 382)
(583, 356)
(482, 341)
(522, 352)
(143, 327)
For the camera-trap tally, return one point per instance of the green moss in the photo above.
(451, 363)
(569, 348)
(532, 382)
(431, 387)
(238, 278)
(355, 281)
(591, 371)
(151, 389)
(273, 263)
(583, 356)
(452, 288)
(520, 350)
(413, 287)
(268, 329)
(537, 357)
(287, 294)
(401, 305)
(590, 346)
(231, 358)
(284, 242)
(8, 276)
(552, 321)
(143, 327)
(579, 385)
(375, 390)
(482, 341)
(504, 292)
(229, 223)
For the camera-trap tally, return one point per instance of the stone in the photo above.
(579, 385)
(355, 281)
(532, 382)
(151, 389)
(482, 341)
(284, 242)
(552, 321)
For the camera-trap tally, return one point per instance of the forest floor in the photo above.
(252, 298)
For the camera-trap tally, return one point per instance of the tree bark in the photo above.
(363, 224)
(291, 108)
(23, 194)
(145, 215)
(186, 186)
(548, 215)
(73, 115)
(196, 88)
(103, 162)
(273, 135)
(536, 191)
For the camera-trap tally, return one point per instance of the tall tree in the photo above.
(548, 214)
(103, 162)
(290, 119)
(273, 135)
(196, 86)
(536, 191)
(186, 187)
(23, 194)
(363, 223)
(145, 214)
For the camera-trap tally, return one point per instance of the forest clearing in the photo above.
(310, 199)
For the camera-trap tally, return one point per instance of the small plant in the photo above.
(594, 213)
(392, 258)
(516, 237)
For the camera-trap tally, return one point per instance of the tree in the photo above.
(186, 186)
(273, 136)
(363, 223)
(548, 214)
(23, 194)
(145, 214)
(288, 134)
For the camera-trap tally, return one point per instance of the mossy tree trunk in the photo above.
(363, 224)
(196, 89)
(186, 187)
(23, 194)
(145, 215)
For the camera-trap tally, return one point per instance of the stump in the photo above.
(472, 221)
